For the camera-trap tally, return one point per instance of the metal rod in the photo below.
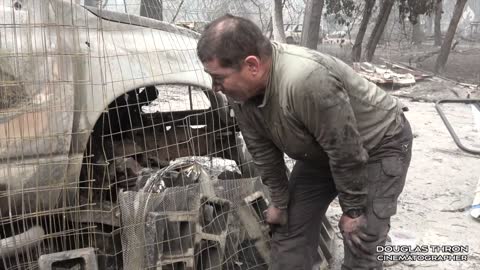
(438, 106)
(190, 96)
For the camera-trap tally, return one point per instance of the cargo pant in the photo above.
(311, 187)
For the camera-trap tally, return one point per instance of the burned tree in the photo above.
(415, 9)
(447, 43)
(311, 23)
(382, 19)
(278, 31)
(367, 14)
(438, 19)
(151, 9)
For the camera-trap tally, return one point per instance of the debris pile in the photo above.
(185, 219)
(393, 74)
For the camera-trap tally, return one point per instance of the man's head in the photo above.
(237, 56)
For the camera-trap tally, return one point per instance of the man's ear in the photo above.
(252, 63)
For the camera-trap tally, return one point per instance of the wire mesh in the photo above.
(94, 103)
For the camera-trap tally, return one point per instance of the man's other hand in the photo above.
(274, 215)
(353, 231)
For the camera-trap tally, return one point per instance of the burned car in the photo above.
(91, 101)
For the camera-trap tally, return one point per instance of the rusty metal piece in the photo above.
(454, 135)
(251, 216)
(20, 243)
(124, 172)
(83, 258)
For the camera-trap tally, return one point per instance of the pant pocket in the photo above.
(388, 187)
(392, 166)
(391, 178)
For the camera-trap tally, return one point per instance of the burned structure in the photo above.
(114, 153)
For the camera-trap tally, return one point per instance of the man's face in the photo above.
(237, 84)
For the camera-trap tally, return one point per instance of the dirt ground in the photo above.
(434, 206)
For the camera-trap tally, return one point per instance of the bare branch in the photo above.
(178, 10)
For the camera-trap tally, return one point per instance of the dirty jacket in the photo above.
(316, 108)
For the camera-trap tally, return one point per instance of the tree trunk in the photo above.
(311, 23)
(278, 31)
(447, 43)
(270, 27)
(382, 20)
(429, 25)
(438, 20)
(92, 3)
(178, 11)
(367, 14)
(151, 9)
(417, 32)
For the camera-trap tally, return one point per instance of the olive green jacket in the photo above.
(316, 108)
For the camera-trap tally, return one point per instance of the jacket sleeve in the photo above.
(267, 158)
(323, 107)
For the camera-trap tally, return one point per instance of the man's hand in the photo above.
(274, 215)
(353, 231)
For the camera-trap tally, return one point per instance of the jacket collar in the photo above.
(268, 88)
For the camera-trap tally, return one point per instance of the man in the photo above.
(348, 137)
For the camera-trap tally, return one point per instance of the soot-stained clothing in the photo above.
(317, 109)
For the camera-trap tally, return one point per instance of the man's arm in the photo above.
(324, 108)
(268, 159)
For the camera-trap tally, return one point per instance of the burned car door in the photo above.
(36, 107)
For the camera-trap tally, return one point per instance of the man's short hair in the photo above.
(231, 39)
